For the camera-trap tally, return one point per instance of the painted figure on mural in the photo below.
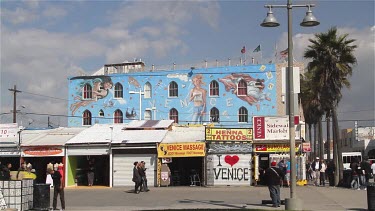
(198, 97)
(254, 88)
(100, 89)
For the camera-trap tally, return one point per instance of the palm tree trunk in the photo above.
(328, 138)
(310, 139)
(321, 143)
(315, 142)
(336, 154)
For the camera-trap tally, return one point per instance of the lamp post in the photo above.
(270, 21)
(140, 101)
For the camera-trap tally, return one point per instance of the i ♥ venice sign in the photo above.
(274, 128)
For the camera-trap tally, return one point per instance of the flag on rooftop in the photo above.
(284, 53)
(257, 49)
(243, 50)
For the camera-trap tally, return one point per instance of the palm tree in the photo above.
(310, 105)
(332, 62)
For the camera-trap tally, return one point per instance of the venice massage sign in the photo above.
(229, 134)
(182, 150)
(274, 128)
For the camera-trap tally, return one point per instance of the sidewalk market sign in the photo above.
(194, 149)
(274, 128)
(229, 134)
(8, 131)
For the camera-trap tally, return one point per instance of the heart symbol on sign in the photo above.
(231, 160)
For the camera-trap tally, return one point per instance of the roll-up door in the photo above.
(123, 168)
(229, 169)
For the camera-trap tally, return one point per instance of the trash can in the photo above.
(41, 197)
(371, 196)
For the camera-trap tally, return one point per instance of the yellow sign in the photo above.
(182, 150)
(229, 134)
(273, 148)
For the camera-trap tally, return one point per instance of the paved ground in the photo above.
(313, 198)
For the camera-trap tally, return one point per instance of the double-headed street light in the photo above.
(270, 21)
(140, 101)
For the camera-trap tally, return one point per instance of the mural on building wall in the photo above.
(255, 88)
(194, 101)
(198, 97)
(100, 85)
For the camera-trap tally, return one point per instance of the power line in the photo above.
(45, 96)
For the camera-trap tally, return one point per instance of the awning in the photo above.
(185, 134)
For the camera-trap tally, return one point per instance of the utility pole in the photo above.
(14, 90)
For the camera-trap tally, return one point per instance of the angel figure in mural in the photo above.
(254, 88)
(198, 96)
(100, 89)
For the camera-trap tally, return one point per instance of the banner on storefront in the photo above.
(274, 128)
(182, 150)
(229, 134)
(40, 151)
(273, 148)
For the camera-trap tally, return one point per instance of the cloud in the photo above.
(54, 12)
(18, 16)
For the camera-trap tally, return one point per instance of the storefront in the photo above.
(182, 152)
(42, 148)
(89, 151)
(229, 156)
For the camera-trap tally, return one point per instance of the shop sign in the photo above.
(273, 148)
(41, 151)
(306, 147)
(274, 128)
(229, 134)
(229, 169)
(8, 131)
(182, 150)
(9, 151)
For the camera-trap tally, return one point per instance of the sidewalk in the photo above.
(159, 198)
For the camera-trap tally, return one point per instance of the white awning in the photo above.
(185, 134)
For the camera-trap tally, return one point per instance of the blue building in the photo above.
(228, 96)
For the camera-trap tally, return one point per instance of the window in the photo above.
(119, 93)
(173, 89)
(148, 115)
(242, 115)
(242, 88)
(214, 115)
(86, 117)
(147, 90)
(87, 91)
(101, 113)
(214, 88)
(118, 116)
(173, 115)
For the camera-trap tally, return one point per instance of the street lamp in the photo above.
(270, 21)
(140, 101)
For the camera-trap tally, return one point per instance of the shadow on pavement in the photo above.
(217, 203)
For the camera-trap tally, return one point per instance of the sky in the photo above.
(45, 42)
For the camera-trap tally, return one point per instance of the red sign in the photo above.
(259, 130)
(42, 151)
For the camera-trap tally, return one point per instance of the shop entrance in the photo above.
(100, 164)
(186, 171)
(40, 166)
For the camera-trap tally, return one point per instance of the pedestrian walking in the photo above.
(355, 175)
(316, 166)
(323, 173)
(136, 177)
(58, 189)
(273, 175)
(366, 168)
(309, 171)
(143, 176)
(331, 173)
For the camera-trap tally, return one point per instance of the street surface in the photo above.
(104, 198)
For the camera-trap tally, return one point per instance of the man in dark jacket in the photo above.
(137, 179)
(273, 176)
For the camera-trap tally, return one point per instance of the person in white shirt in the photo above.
(323, 173)
(373, 169)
